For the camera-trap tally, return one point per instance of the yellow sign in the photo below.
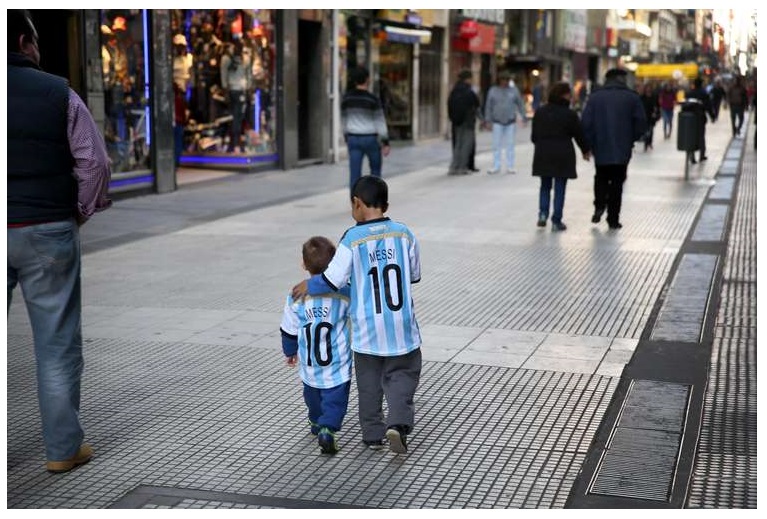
(667, 70)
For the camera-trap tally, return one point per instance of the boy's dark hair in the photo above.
(19, 22)
(359, 75)
(372, 190)
(558, 91)
(317, 253)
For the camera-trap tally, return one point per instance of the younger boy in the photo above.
(315, 336)
(380, 259)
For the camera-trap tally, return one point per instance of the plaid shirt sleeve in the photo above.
(92, 165)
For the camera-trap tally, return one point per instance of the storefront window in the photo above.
(224, 73)
(126, 93)
(395, 87)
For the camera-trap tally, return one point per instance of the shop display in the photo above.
(230, 85)
(125, 102)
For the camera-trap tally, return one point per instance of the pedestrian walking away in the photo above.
(652, 113)
(364, 126)
(462, 109)
(613, 120)
(717, 96)
(667, 102)
(737, 98)
(705, 110)
(315, 336)
(380, 259)
(58, 176)
(555, 125)
(503, 104)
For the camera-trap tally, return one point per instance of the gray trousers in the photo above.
(465, 135)
(396, 378)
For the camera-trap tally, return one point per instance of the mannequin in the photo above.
(236, 79)
(206, 54)
(183, 63)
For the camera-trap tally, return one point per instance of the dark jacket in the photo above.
(651, 108)
(41, 183)
(737, 96)
(462, 104)
(555, 126)
(612, 121)
(705, 102)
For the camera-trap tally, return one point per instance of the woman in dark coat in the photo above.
(651, 112)
(555, 126)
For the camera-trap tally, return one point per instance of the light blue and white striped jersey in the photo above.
(321, 324)
(380, 259)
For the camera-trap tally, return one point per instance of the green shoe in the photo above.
(327, 441)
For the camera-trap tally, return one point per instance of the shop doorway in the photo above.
(311, 94)
(60, 45)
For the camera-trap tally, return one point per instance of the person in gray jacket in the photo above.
(501, 107)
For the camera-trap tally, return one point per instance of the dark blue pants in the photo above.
(559, 197)
(327, 407)
(359, 147)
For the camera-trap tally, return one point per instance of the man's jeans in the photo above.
(360, 146)
(504, 136)
(45, 260)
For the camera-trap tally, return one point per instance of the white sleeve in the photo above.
(415, 261)
(289, 322)
(340, 268)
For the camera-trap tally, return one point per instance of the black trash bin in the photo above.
(690, 125)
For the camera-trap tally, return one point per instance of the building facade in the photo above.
(255, 89)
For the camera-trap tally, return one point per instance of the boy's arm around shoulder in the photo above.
(315, 285)
(289, 331)
(414, 253)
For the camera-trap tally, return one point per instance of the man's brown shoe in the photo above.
(83, 455)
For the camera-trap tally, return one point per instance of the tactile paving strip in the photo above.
(725, 470)
(601, 292)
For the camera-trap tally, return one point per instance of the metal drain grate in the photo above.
(146, 497)
(641, 457)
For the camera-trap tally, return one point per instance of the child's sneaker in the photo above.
(397, 439)
(327, 441)
(314, 428)
(375, 445)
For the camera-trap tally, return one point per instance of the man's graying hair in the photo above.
(19, 22)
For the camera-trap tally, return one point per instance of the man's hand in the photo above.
(300, 290)
(385, 150)
(292, 360)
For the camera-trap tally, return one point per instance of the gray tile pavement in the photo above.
(526, 333)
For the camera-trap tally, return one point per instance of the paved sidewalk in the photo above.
(529, 338)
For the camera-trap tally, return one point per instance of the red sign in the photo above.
(482, 43)
(468, 29)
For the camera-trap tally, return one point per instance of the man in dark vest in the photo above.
(58, 175)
